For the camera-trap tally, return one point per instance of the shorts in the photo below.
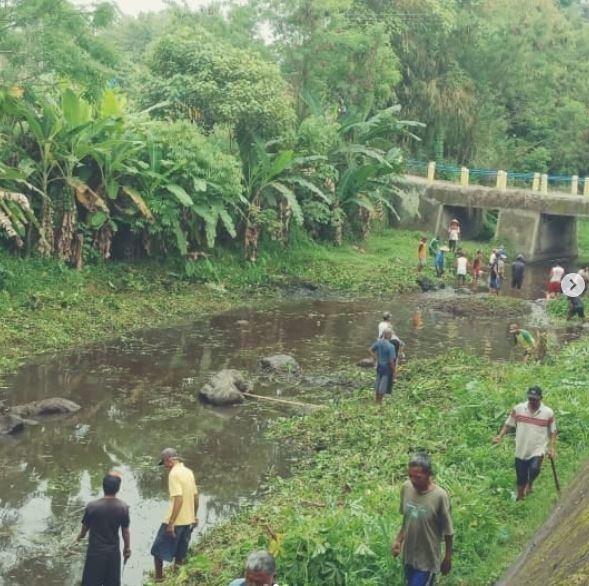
(415, 577)
(495, 283)
(554, 287)
(168, 548)
(527, 470)
(384, 382)
(421, 262)
(102, 569)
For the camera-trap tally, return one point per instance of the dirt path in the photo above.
(558, 555)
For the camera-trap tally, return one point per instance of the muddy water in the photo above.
(135, 402)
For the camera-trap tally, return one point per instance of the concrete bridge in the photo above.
(538, 225)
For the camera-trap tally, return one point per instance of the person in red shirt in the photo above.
(477, 265)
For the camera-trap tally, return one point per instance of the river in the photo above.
(135, 401)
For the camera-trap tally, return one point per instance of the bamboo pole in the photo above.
(283, 401)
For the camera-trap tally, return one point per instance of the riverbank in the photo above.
(336, 517)
(48, 307)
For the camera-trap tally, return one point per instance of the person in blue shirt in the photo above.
(439, 262)
(384, 354)
(260, 570)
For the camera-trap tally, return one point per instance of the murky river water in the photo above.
(135, 402)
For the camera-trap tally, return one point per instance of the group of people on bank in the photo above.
(425, 507)
(495, 266)
(425, 538)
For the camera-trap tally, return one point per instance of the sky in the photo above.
(134, 7)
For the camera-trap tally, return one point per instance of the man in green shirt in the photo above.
(426, 523)
(523, 338)
(433, 248)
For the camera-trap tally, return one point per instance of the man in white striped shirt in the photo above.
(534, 428)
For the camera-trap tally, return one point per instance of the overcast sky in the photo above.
(134, 7)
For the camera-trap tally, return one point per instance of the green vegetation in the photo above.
(47, 306)
(173, 135)
(583, 238)
(336, 517)
(189, 160)
(485, 306)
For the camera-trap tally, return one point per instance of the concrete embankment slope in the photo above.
(559, 553)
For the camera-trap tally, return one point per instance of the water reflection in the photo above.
(135, 403)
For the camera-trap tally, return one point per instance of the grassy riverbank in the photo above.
(336, 516)
(47, 306)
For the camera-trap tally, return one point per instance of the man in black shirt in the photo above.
(103, 518)
(518, 266)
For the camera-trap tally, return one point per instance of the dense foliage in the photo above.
(166, 134)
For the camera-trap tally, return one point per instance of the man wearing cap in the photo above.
(173, 538)
(534, 426)
(523, 338)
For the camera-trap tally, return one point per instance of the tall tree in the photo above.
(43, 41)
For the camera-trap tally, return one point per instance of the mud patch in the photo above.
(557, 556)
(484, 307)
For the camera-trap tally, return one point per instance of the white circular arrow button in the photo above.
(572, 285)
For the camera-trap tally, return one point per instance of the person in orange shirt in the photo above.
(421, 253)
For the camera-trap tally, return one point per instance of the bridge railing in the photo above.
(540, 182)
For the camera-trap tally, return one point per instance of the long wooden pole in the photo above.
(283, 401)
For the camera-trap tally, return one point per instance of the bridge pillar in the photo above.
(538, 236)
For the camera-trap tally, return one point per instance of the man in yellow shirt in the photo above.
(173, 538)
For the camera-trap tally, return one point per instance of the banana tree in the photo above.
(269, 193)
(367, 163)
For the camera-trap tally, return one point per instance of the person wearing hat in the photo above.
(523, 339)
(535, 428)
(518, 267)
(384, 324)
(173, 537)
(453, 234)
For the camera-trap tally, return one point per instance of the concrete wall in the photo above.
(539, 226)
